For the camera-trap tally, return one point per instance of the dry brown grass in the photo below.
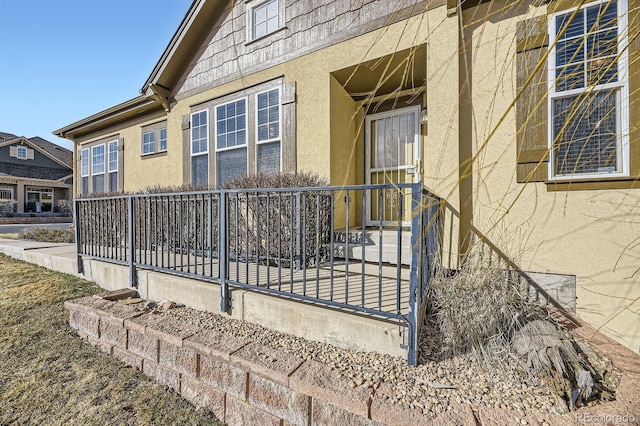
(49, 376)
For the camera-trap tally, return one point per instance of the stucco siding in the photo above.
(591, 234)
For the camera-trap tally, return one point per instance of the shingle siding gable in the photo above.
(310, 25)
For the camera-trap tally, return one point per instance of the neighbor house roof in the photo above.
(28, 171)
(57, 151)
(7, 136)
(60, 155)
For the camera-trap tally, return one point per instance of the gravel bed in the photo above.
(433, 386)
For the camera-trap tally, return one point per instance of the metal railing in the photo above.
(299, 243)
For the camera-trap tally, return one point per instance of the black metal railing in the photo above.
(365, 248)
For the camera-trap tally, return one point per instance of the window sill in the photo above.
(153, 155)
(256, 42)
(593, 183)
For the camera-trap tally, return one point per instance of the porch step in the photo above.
(374, 243)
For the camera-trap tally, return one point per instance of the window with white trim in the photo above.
(200, 148)
(231, 140)
(84, 170)
(21, 152)
(588, 102)
(268, 132)
(163, 139)
(148, 142)
(97, 168)
(113, 166)
(264, 18)
(6, 194)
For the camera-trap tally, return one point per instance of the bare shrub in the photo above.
(7, 208)
(480, 306)
(64, 207)
(279, 227)
(46, 235)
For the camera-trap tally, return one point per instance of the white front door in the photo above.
(393, 156)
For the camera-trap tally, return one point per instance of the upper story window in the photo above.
(21, 152)
(163, 139)
(588, 102)
(154, 138)
(264, 18)
(148, 143)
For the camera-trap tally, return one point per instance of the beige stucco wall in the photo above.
(592, 234)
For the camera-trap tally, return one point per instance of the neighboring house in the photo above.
(522, 115)
(34, 173)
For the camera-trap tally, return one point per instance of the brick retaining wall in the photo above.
(240, 382)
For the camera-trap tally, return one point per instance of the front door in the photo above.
(392, 157)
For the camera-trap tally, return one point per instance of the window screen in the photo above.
(230, 164)
(585, 104)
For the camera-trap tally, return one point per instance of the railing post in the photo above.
(77, 222)
(133, 276)
(223, 255)
(414, 277)
(298, 233)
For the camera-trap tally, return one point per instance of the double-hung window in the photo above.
(97, 168)
(588, 102)
(264, 17)
(200, 148)
(113, 166)
(231, 140)
(148, 142)
(84, 170)
(163, 139)
(268, 131)
(22, 152)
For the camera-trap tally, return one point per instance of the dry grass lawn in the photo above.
(49, 376)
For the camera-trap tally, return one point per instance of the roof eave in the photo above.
(130, 108)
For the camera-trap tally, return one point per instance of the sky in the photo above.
(62, 61)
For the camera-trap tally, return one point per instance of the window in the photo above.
(113, 166)
(588, 99)
(6, 195)
(200, 148)
(263, 18)
(231, 140)
(22, 152)
(163, 139)
(97, 168)
(268, 131)
(84, 170)
(154, 138)
(148, 143)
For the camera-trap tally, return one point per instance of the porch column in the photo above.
(20, 196)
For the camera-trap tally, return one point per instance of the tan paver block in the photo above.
(164, 375)
(213, 343)
(171, 330)
(293, 407)
(272, 364)
(219, 374)
(182, 360)
(127, 357)
(329, 415)
(238, 413)
(201, 395)
(85, 322)
(114, 295)
(112, 331)
(320, 382)
(386, 412)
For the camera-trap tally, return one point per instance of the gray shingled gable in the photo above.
(57, 151)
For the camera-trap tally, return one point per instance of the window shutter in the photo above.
(288, 127)
(531, 107)
(13, 151)
(30, 154)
